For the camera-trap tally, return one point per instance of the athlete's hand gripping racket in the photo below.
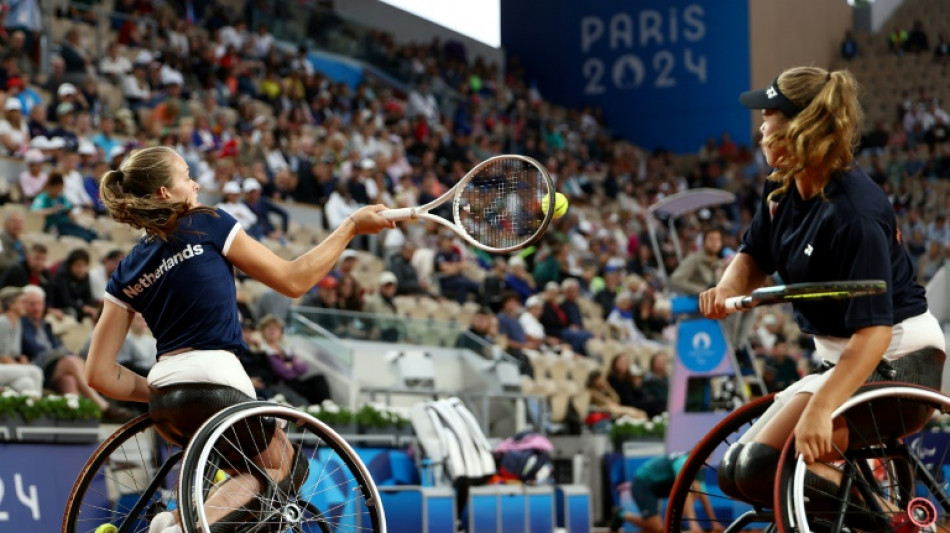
(496, 206)
(798, 292)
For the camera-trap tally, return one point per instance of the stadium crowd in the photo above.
(260, 128)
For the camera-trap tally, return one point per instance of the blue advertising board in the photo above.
(665, 72)
(35, 481)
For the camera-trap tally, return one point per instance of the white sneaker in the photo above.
(162, 522)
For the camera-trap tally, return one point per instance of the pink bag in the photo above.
(526, 440)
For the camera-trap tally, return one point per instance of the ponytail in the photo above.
(129, 192)
(823, 136)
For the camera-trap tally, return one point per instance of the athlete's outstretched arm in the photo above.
(741, 277)
(102, 371)
(294, 278)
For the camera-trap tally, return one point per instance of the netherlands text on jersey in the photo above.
(167, 264)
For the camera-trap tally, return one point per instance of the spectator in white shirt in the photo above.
(621, 319)
(301, 63)
(263, 41)
(33, 179)
(74, 185)
(232, 204)
(14, 131)
(115, 66)
(274, 156)
(233, 35)
(339, 206)
(145, 350)
(178, 39)
(768, 331)
(422, 102)
(530, 319)
(135, 87)
(99, 275)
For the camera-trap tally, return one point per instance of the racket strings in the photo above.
(500, 207)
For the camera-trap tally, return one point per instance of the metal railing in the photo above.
(341, 355)
(396, 329)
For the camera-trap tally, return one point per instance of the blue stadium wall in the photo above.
(669, 72)
(665, 72)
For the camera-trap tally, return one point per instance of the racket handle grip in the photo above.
(738, 303)
(402, 213)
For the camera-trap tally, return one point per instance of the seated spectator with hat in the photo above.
(263, 208)
(348, 261)
(381, 305)
(14, 131)
(115, 156)
(66, 93)
(231, 203)
(33, 179)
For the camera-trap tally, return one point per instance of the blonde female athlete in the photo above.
(823, 219)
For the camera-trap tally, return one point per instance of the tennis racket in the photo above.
(799, 292)
(496, 206)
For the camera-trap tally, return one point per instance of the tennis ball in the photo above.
(106, 528)
(560, 205)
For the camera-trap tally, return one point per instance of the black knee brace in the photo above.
(726, 474)
(755, 472)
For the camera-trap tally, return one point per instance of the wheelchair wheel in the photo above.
(122, 482)
(893, 474)
(698, 475)
(325, 486)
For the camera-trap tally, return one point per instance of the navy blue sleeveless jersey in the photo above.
(184, 287)
(851, 234)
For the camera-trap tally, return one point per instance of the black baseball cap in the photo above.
(770, 98)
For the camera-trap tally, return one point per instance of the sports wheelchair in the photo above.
(894, 474)
(149, 465)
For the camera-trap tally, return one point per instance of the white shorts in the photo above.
(915, 333)
(220, 367)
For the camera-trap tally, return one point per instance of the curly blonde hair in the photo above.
(822, 137)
